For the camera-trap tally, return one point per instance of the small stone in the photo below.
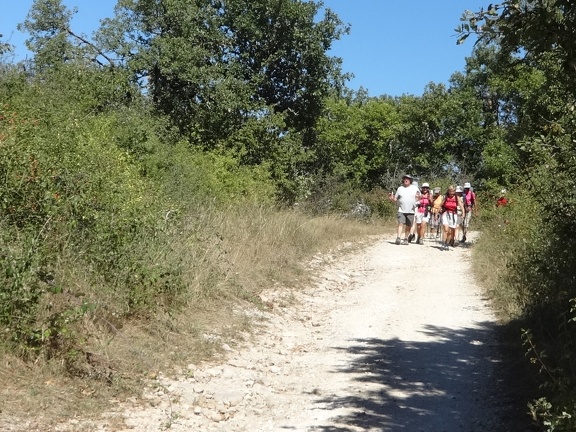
(216, 417)
(214, 372)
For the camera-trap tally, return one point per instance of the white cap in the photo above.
(425, 185)
(467, 185)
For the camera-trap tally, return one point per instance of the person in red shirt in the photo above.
(450, 208)
(502, 201)
(422, 215)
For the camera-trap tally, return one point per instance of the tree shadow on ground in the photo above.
(456, 381)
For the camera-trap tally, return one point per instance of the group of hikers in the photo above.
(420, 209)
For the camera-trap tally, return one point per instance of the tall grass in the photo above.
(222, 258)
(507, 234)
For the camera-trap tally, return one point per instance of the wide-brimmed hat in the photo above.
(408, 176)
(437, 190)
(459, 189)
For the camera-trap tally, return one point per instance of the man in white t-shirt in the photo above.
(406, 197)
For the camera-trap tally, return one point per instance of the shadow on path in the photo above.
(447, 383)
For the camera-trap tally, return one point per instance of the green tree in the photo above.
(440, 132)
(528, 28)
(355, 139)
(281, 48)
(4, 47)
(212, 65)
(53, 41)
(538, 35)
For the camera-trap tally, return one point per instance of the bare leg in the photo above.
(465, 225)
(445, 230)
(450, 236)
(421, 231)
(408, 230)
(455, 236)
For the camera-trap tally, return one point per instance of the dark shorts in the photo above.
(406, 218)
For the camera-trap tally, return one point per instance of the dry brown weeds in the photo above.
(245, 251)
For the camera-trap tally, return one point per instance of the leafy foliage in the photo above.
(211, 66)
(537, 36)
(354, 139)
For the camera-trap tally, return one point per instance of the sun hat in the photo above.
(467, 185)
(408, 176)
(459, 189)
(425, 185)
(437, 190)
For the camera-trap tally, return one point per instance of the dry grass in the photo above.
(506, 233)
(227, 258)
(490, 260)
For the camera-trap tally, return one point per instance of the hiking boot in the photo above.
(411, 238)
(464, 239)
(405, 242)
(420, 241)
(397, 240)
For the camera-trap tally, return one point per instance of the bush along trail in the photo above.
(390, 338)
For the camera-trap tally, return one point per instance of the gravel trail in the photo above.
(390, 338)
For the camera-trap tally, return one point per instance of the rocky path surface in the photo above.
(391, 338)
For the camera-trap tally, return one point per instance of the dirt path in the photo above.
(390, 339)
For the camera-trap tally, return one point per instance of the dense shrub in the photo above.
(527, 260)
(91, 209)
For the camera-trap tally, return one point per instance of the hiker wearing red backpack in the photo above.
(450, 206)
(422, 215)
(469, 199)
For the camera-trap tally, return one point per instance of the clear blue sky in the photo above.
(395, 47)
